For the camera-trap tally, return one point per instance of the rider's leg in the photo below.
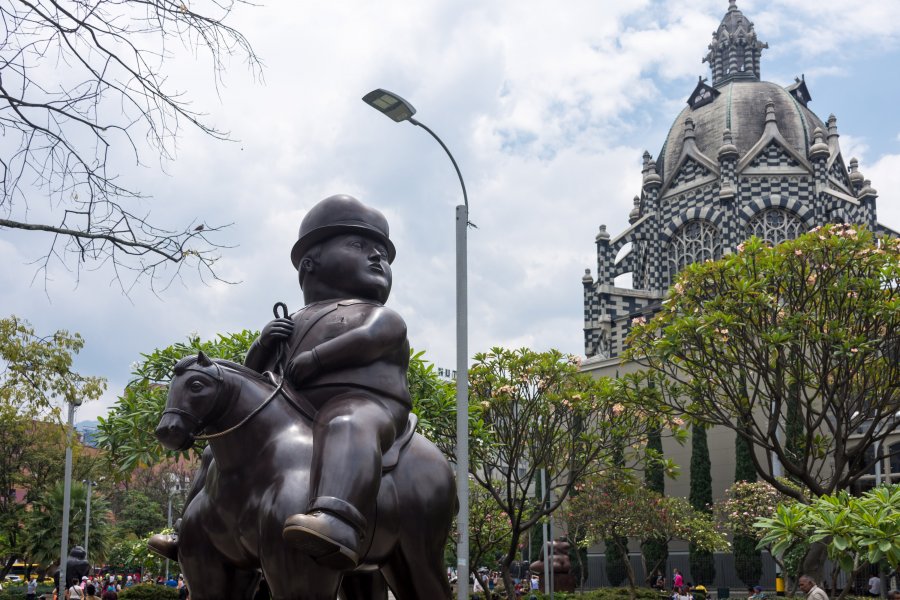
(350, 435)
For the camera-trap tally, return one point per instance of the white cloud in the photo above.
(547, 111)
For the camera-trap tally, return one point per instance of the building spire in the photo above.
(735, 50)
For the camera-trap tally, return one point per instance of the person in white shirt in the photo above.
(808, 586)
(875, 585)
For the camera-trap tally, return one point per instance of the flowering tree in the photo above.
(744, 504)
(489, 530)
(611, 506)
(545, 424)
(805, 333)
(858, 531)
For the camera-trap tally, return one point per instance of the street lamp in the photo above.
(67, 497)
(173, 486)
(399, 110)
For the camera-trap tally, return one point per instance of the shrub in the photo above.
(149, 591)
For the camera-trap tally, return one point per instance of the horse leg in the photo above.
(416, 568)
(210, 579)
(364, 586)
(294, 576)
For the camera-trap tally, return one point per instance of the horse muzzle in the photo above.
(174, 433)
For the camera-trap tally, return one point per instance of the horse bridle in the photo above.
(199, 423)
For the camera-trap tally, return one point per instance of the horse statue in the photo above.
(260, 445)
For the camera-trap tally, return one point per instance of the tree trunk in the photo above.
(629, 570)
(814, 562)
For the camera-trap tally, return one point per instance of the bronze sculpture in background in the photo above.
(561, 565)
(303, 458)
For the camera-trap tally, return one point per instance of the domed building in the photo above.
(745, 157)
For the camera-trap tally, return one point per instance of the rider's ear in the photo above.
(307, 265)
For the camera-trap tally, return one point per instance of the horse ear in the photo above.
(203, 360)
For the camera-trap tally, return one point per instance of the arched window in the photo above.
(775, 225)
(696, 241)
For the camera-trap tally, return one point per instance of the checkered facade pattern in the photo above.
(703, 214)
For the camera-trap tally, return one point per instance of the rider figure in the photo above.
(348, 355)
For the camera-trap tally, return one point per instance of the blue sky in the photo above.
(547, 110)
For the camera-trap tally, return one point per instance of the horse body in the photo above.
(258, 474)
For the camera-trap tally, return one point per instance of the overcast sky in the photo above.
(547, 110)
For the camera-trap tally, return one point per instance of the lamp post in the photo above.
(173, 486)
(399, 110)
(67, 497)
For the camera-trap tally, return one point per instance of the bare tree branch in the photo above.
(82, 78)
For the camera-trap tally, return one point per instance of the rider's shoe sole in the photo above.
(323, 550)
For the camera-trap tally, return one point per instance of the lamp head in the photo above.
(390, 104)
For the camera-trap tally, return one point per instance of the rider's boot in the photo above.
(165, 544)
(332, 539)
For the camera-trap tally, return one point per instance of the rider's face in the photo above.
(356, 266)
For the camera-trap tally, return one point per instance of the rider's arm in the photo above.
(381, 334)
(263, 348)
(257, 356)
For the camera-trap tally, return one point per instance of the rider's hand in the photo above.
(276, 331)
(302, 367)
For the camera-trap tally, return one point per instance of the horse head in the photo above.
(194, 402)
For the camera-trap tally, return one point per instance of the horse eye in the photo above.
(196, 386)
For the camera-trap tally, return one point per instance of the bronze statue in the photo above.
(303, 457)
(77, 567)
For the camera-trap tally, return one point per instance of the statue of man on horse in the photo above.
(348, 353)
(343, 358)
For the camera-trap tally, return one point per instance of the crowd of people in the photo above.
(107, 587)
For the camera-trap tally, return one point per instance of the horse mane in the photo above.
(182, 365)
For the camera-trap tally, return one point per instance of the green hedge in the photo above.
(149, 591)
(16, 591)
(620, 593)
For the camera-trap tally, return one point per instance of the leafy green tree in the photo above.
(703, 569)
(488, 534)
(654, 550)
(126, 433)
(814, 319)
(616, 559)
(805, 334)
(541, 414)
(35, 375)
(747, 557)
(139, 514)
(131, 554)
(744, 504)
(613, 503)
(858, 531)
(43, 525)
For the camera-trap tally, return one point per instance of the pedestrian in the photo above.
(700, 592)
(660, 581)
(31, 589)
(677, 580)
(75, 592)
(90, 591)
(110, 593)
(808, 586)
(875, 585)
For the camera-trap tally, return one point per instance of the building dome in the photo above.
(740, 106)
(745, 158)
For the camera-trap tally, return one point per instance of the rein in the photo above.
(243, 421)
